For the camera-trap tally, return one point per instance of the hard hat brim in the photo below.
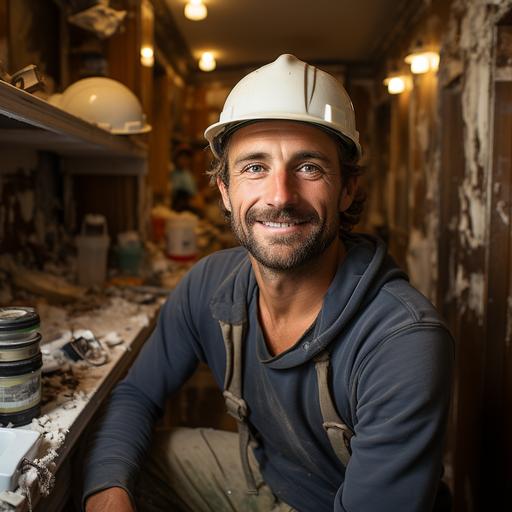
(215, 133)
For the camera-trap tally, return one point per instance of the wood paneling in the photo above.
(4, 33)
(497, 398)
(116, 197)
(123, 48)
(160, 136)
(465, 425)
(398, 179)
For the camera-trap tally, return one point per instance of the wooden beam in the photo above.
(170, 41)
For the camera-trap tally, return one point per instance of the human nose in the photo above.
(281, 190)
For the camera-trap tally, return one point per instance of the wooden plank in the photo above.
(123, 48)
(463, 448)
(115, 197)
(159, 155)
(57, 499)
(58, 127)
(497, 444)
(4, 34)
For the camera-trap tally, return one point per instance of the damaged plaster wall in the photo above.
(468, 49)
(424, 195)
(466, 42)
(31, 208)
(412, 209)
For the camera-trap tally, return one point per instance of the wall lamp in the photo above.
(422, 60)
(147, 56)
(397, 83)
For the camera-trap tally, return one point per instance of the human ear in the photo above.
(348, 193)
(224, 193)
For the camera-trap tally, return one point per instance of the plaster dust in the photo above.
(66, 391)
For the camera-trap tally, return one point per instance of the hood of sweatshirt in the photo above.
(364, 270)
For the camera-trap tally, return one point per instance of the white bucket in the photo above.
(181, 236)
(92, 246)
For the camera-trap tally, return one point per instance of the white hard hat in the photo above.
(106, 103)
(290, 89)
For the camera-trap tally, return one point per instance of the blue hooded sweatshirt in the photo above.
(391, 363)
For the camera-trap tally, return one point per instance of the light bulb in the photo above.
(195, 10)
(147, 56)
(395, 84)
(422, 62)
(207, 62)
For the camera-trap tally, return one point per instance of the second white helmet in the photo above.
(106, 103)
(289, 89)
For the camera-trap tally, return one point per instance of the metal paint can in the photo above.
(20, 365)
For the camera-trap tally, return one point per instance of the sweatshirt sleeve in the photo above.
(403, 394)
(123, 435)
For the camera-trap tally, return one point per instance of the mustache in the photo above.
(287, 214)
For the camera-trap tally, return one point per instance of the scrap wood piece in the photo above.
(50, 286)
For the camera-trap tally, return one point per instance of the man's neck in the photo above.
(290, 301)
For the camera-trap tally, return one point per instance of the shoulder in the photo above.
(220, 263)
(209, 272)
(398, 306)
(408, 329)
(399, 325)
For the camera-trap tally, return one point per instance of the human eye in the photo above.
(253, 169)
(310, 170)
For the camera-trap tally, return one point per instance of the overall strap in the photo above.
(337, 431)
(236, 406)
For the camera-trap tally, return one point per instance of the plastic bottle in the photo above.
(92, 244)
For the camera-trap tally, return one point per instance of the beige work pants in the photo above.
(199, 470)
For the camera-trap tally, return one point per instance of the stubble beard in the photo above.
(306, 248)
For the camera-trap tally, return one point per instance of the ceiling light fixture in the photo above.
(147, 56)
(195, 10)
(422, 60)
(207, 62)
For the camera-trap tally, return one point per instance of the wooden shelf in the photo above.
(31, 122)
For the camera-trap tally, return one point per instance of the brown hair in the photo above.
(349, 169)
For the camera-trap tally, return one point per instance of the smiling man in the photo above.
(336, 369)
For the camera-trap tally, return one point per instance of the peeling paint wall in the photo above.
(424, 195)
(478, 265)
(31, 212)
(468, 49)
(449, 208)
(465, 39)
(412, 209)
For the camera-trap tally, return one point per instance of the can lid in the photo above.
(18, 318)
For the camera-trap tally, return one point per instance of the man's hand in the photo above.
(113, 499)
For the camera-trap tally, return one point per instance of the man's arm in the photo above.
(403, 393)
(113, 498)
(119, 444)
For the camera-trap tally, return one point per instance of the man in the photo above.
(336, 368)
(183, 185)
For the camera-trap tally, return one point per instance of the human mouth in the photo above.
(280, 225)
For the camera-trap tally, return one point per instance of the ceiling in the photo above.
(245, 32)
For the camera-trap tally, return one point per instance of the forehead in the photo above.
(265, 134)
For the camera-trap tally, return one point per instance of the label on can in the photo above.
(18, 354)
(20, 393)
